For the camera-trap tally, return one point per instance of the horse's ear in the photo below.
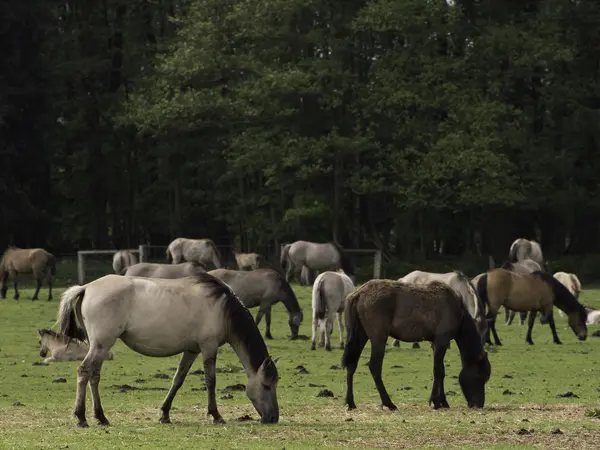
(39, 332)
(276, 359)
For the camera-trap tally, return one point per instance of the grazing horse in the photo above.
(158, 317)
(27, 260)
(593, 316)
(61, 348)
(263, 288)
(328, 298)
(522, 267)
(153, 270)
(522, 249)
(203, 251)
(536, 291)
(321, 257)
(247, 261)
(122, 260)
(412, 313)
(459, 282)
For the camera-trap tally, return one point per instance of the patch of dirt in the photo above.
(335, 367)
(229, 369)
(397, 367)
(508, 392)
(39, 363)
(203, 388)
(162, 376)
(567, 395)
(507, 376)
(197, 372)
(60, 380)
(303, 337)
(140, 380)
(325, 393)
(127, 387)
(234, 387)
(315, 385)
(301, 370)
(172, 369)
(18, 404)
(244, 418)
(227, 397)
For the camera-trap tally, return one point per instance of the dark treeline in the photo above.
(397, 124)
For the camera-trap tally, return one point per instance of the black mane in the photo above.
(241, 322)
(563, 299)
(507, 266)
(344, 260)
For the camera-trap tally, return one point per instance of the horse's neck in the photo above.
(241, 350)
(468, 341)
(290, 301)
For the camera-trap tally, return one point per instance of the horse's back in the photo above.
(254, 284)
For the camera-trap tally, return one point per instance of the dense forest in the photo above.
(412, 126)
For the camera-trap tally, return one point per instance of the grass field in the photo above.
(522, 407)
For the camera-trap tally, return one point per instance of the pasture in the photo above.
(522, 404)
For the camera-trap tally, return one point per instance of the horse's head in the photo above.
(473, 377)
(43, 343)
(262, 391)
(577, 322)
(295, 319)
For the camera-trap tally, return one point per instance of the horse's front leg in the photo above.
(14, 276)
(491, 318)
(375, 366)
(356, 343)
(553, 328)
(185, 363)
(4, 287)
(210, 374)
(438, 395)
(530, 327)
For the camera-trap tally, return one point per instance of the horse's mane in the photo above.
(507, 265)
(214, 246)
(344, 260)
(562, 297)
(287, 289)
(467, 281)
(241, 322)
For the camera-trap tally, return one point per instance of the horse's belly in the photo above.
(158, 347)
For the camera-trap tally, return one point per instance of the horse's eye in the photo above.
(266, 387)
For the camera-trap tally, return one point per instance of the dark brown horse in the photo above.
(537, 292)
(27, 260)
(413, 313)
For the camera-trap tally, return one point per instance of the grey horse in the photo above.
(247, 261)
(522, 249)
(154, 270)
(161, 318)
(203, 251)
(317, 256)
(263, 288)
(122, 260)
(522, 267)
(308, 276)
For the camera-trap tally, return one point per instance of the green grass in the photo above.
(534, 374)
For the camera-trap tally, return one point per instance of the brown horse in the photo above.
(538, 292)
(27, 260)
(412, 313)
(523, 266)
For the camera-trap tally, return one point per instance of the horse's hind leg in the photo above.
(523, 316)
(375, 366)
(49, 279)
(84, 373)
(4, 288)
(341, 328)
(14, 276)
(354, 347)
(38, 280)
(491, 318)
(438, 395)
(268, 323)
(530, 324)
(210, 360)
(185, 363)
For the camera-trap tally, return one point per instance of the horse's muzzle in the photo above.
(582, 337)
(43, 353)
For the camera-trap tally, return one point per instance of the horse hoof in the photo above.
(219, 421)
(391, 407)
(328, 347)
(558, 342)
(313, 346)
(529, 342)
(83, 424)
(268, 336)
(104, 422)
(164, 420)
(351, 407)
(342, 346)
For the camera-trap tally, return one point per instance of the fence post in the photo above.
(142, 249)
(377, 265)
(81, 267)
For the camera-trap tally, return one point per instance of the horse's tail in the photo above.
(512, 253)
(355, 330)
(319, 301)
(482, 289)
(169, 255)
(69, 313)
(284, 255)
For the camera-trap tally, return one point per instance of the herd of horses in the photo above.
(182, 308)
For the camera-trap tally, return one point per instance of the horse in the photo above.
(263, 288)
(160, 318)
(316, 256)
(459, 282)
(524, 266)
(27, 260)
(522, 249)
(154, 270)
(412, 313)
(571, 282)
(247, 261)
(122, 260)
(593, 316)
(328, 298)
(62, 348)
(536, 291)
(203, 251)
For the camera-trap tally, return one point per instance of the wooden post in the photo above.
(142, 251)
(491, 262)
(377, 265)
(81, 267)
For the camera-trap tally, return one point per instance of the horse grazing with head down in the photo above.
(263, 288)
(319, 257)
(37, 261)
(328, 298)
(160, 317)
(122, 260)
(202, 251)
(412, 313)
(537, 292)
(247, 261)
(172, 271)
(62, 348)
